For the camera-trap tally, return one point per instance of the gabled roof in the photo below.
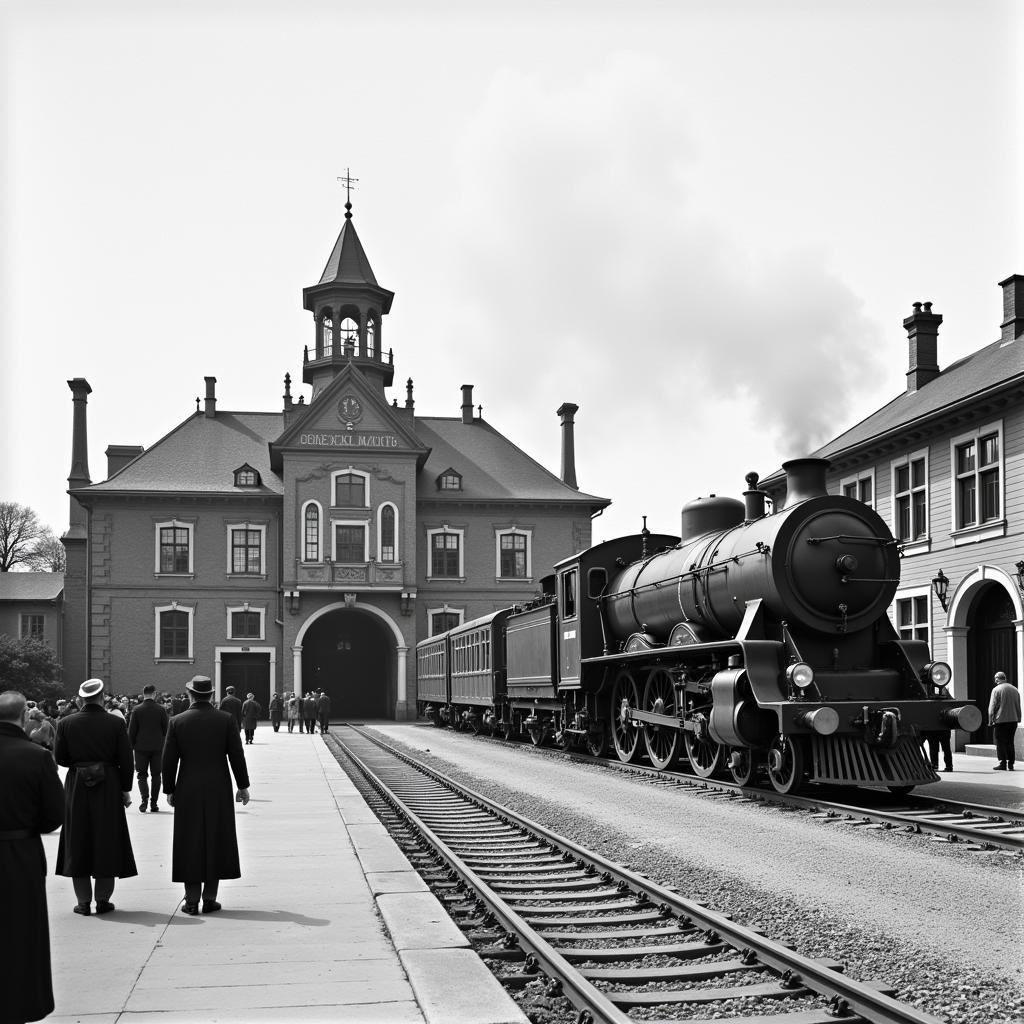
(201, 456)
(492, 467)
(347, 263)
(992, 368)
(31, 586)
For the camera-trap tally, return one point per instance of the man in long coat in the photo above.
(323, 711)
(31, 802)
(94, 842)
(232, 705)
(251, 712)
(200, 743)
(309, 712)
(276, 708)
(293, 706)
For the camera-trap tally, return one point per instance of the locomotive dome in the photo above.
(710, 515)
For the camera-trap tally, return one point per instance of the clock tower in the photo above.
(347, 306)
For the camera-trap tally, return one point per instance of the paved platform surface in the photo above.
(328, 923)
(973, 780)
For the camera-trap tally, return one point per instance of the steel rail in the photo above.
(860, 998)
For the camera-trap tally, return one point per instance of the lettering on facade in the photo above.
(348, 440)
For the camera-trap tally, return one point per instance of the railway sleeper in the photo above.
(691, 972)
(661, 997)
(682, 950)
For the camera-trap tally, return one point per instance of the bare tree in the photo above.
(47, 554)
(19, 530)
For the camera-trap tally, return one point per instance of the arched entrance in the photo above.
(990, 648)
(350, 654)
(986, 633)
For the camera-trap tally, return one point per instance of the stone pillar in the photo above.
(297, 670)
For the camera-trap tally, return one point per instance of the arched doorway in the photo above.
(991, 647)
(350, 655)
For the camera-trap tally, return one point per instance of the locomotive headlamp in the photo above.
(939, 673)
(800, 674)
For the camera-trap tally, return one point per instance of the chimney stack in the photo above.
(567, 410)
(409, 403)
(119, 455)
(467, 403)
(923, 334)
(211, 397)
(79, 475)
(1013, 307)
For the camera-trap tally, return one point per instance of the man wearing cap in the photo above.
(31, 801)
(94, 842)
(201, 742)
(232, 705)
(1003, 716)
(251, 712)
(146, 731)
(323, 711)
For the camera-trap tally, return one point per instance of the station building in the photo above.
(943, 464)
(313, 546)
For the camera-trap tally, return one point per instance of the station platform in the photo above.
(974, 780)
(329, 922)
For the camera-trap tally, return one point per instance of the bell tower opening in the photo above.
(350, 655)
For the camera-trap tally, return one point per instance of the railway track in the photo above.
(977, 827)
(614, 946)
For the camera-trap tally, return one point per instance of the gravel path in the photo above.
(945, 927)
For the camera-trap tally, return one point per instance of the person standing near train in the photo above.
(1004, 716)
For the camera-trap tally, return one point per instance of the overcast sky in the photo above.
(702, 222)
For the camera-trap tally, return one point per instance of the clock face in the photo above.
(350, 409)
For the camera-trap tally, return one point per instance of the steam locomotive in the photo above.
(758, 643)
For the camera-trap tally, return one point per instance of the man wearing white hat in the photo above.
(94, 843)
(200, 744)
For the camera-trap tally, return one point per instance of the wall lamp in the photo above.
(1019, 576)
(940, 584)
(408, 596)
(294, 598)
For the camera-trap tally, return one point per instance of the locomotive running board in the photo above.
(848, 760)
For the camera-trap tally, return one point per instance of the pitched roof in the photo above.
(201, 455)
(492, 467)
(31, 586)
(990, 368)
(347, 263)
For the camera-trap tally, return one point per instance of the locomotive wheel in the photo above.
(743, 765)
(624, 735)
(661, 741)
(785, 765)
(706, 756)
(597, 742)
(565, 739)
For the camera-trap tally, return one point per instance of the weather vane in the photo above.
(348, 181)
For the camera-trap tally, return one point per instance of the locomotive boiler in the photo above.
(755, 642)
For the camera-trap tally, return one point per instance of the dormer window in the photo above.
(246, 476)
(449, 480)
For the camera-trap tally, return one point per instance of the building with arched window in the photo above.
(313, 546)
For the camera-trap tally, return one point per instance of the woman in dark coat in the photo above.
(200, 743)
(31, 802)
(94, 843)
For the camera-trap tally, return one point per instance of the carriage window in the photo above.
(569, 594)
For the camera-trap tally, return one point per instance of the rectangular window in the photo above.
(350, 491)
(978, 481)
(441, 622)
(862, 488)
(174, 549)
(246, 550)
(350, 543)
(174, 634)
(444, 554)
(569, 594)
(911, 501)
(513, 556)
(311, 541)
(245, 625)
(912, 618)
(33, 627)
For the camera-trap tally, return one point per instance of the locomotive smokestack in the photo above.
(805, 478)
(567, 410)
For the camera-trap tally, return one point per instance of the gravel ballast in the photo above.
(942, 926)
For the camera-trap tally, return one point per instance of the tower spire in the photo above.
(348, 181)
